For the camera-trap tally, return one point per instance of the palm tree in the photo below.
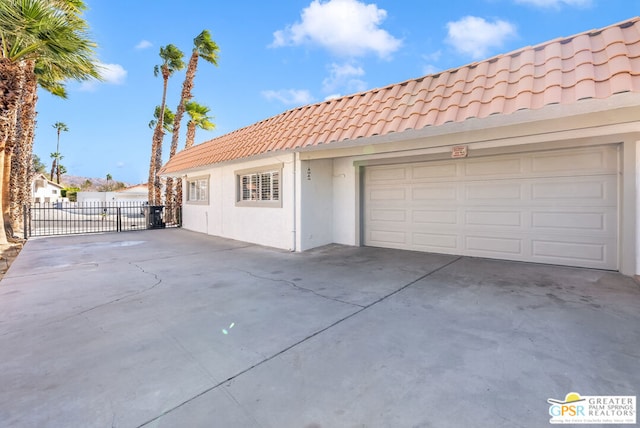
(60, 127)
(55, 156)
(167, 122)
(171, 62)
(203, 47)
(199, 118)
(41, 42)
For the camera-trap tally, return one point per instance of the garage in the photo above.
(556, 206)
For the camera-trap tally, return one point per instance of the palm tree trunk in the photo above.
(155, 186)
(152, 169)
(3, 234)
(53, 169)
(185, 96)
(10, 90)
(157, 183)
(22, 164)
(178, 193)
(191, 134)
(6, 192)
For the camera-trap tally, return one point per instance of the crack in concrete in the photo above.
(294, 285)
(119, 299)
(126, 296)
(301, 341)
(192, 357)
(246, 412)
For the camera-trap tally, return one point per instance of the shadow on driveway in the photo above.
(172, 328)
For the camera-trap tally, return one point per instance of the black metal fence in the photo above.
(66, 218)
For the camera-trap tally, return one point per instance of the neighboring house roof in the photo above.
(594, 64)
(134, 189)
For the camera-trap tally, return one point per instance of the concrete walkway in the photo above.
(168, 328)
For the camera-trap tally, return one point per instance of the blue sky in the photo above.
(275, 56)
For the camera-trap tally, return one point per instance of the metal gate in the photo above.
(67, 218)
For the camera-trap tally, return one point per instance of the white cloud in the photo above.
(430, 59)
(344, 76)
(556, 3)
(289, 96)
(112, 74)
(344, 27)
(430, 69)
(332, 97)
(144, 44)
(476, 37)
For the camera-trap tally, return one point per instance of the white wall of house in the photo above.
(346, 215)
(222, 216)
(315, 212)
(43, 191)
(321, 188)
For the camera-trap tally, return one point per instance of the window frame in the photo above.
(260, 172)
(197, 179)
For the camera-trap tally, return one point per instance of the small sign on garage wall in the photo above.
(459, 152)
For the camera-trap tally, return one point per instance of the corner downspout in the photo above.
(296, 157)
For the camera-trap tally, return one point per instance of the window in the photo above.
(198, 190)
(259, 187)
(54, 191)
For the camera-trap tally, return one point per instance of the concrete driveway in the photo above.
(168, 328)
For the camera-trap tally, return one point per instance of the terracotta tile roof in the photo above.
(594, 64)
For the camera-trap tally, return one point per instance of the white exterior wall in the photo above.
(270, 226)
(346, 212)
(315, 204)
(46, 193)
(327, 208)
(629, 236)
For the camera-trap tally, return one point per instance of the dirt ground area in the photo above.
(8, 254)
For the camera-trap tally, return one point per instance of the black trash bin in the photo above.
(154, 217)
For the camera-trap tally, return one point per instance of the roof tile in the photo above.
(594, 64)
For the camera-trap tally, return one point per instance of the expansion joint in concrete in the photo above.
(301, 341)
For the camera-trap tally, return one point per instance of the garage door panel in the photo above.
(579, 252)
(497, 167)
(494, 218)
(598, 188)
(436, 217)
(501, 207)
(497, 246)
(434, 192)
(388, 194)
(388, 174)
(594, 221)
(435, 241)
(382, 237)
(388, 215)
(596, 159)
(494, 190)
(437, 170)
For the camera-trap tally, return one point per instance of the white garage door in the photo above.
(556, 207)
